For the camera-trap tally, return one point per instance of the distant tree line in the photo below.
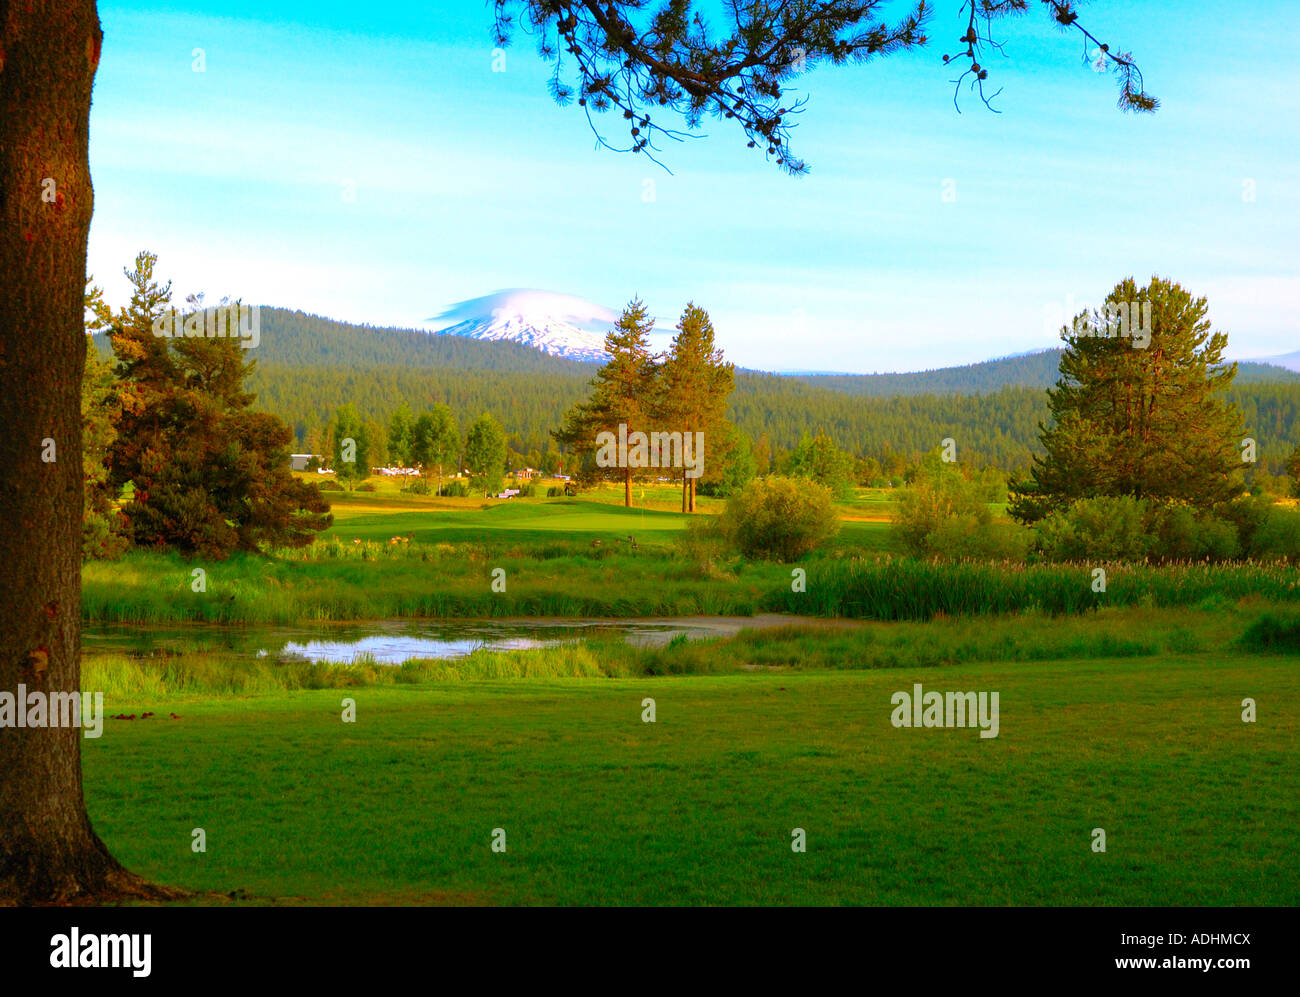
(309, 366)
(430, 442)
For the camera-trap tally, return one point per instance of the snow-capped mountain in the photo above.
(559, 324)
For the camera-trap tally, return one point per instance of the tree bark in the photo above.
(627, 487)
(49, 50)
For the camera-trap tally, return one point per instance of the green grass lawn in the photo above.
(360, 516)
(598, 807)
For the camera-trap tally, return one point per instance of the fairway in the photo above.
(515, 519)
(1198, 807)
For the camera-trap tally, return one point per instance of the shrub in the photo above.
(365, 486)
(969, 537)
(1106, 528)
(942, 514)
(454, 489)
(779, 519)
(527, 491)
(1181, 533)
(329, 485)
(1279, 536)
(1123, 528)
(417, 488)
(555, 491)
(1247, 514)
(1273, 633)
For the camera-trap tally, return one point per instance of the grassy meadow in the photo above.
(1119, 710)
(699, 807)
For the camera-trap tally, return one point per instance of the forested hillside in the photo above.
(1033, 370)
(296, 339)
(308, 366)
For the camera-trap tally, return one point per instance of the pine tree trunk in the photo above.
(686, 488)
(49, 50)
(627, 488)
(692, 494)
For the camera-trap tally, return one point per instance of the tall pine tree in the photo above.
(621, 391)
(1147, 422)
(694, 386)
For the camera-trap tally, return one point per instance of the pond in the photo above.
(392, 642)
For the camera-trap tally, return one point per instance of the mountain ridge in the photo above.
(298, 339)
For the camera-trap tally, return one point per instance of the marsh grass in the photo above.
(908, 589)
(380, 581)
(1030, 637)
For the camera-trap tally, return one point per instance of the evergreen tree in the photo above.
(1146, 422)
(621, 394)
(693, 388)
(631, 55)
(209, 475)
(1293, 469)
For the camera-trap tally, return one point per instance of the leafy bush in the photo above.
(779, 519)
(1123, 528)
(329, 485)
(1279, 536)
(1247, 515)
(1106, 528)
(417, 488)
(365, 486)
(454, 489)
(942, 514)
(555, 491)
(528, 490)
(1181, 533)
(979, 537)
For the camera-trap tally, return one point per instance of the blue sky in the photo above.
(365, 162)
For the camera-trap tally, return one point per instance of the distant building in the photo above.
(299, 461)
